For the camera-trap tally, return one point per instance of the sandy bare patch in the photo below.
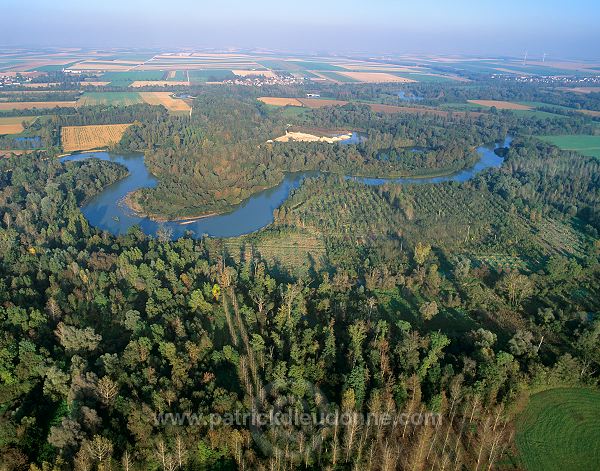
(501, 105)
(305, 137)
(376, 77)
(246, 73)
(165, 99)
(158, 83)
(26, 105)
(276, 101)
(75, 138)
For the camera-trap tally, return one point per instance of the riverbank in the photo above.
(116, 208)
(134, 205)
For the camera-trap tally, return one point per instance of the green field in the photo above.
(560, 430)
(54, 67)
(124, 79)
(212, 75)
(462, 107)
(318, 66)
(275, 64)
(337, 77)
(299, 66)
(586, 145)
(110, 98)
(533, 113)
(127, 56)
(180, 76)
(537, 114)
(423, 77)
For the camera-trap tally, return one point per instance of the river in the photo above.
(108, 212)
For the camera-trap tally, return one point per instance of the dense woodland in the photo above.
(219, 156)
(103, 337)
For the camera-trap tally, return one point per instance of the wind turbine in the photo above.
(544, 57)
(525, 58)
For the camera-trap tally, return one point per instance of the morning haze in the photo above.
(469, 27)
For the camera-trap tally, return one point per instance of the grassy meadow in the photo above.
(109, 98)
(560, 430)
(586, 145)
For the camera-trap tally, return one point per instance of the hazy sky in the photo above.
(562, 28)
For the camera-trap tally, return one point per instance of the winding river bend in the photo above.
(108, 212)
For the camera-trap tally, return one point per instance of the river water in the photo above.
(108, 212)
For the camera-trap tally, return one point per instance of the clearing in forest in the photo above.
(584, 144)
(165, 99)
(276, 101)
(560, 429)
(500, 105)
(76, 138)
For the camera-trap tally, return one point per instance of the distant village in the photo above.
(12, 79)
(550, 79)
(262, 80)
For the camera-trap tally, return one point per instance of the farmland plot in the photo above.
(109, 98)
(165, 99)
(76, 138)
(14, 124)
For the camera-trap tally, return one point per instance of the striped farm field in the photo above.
(109, 98)
(165, 99)
(29, 105)
(74, 138)
(500, 105)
